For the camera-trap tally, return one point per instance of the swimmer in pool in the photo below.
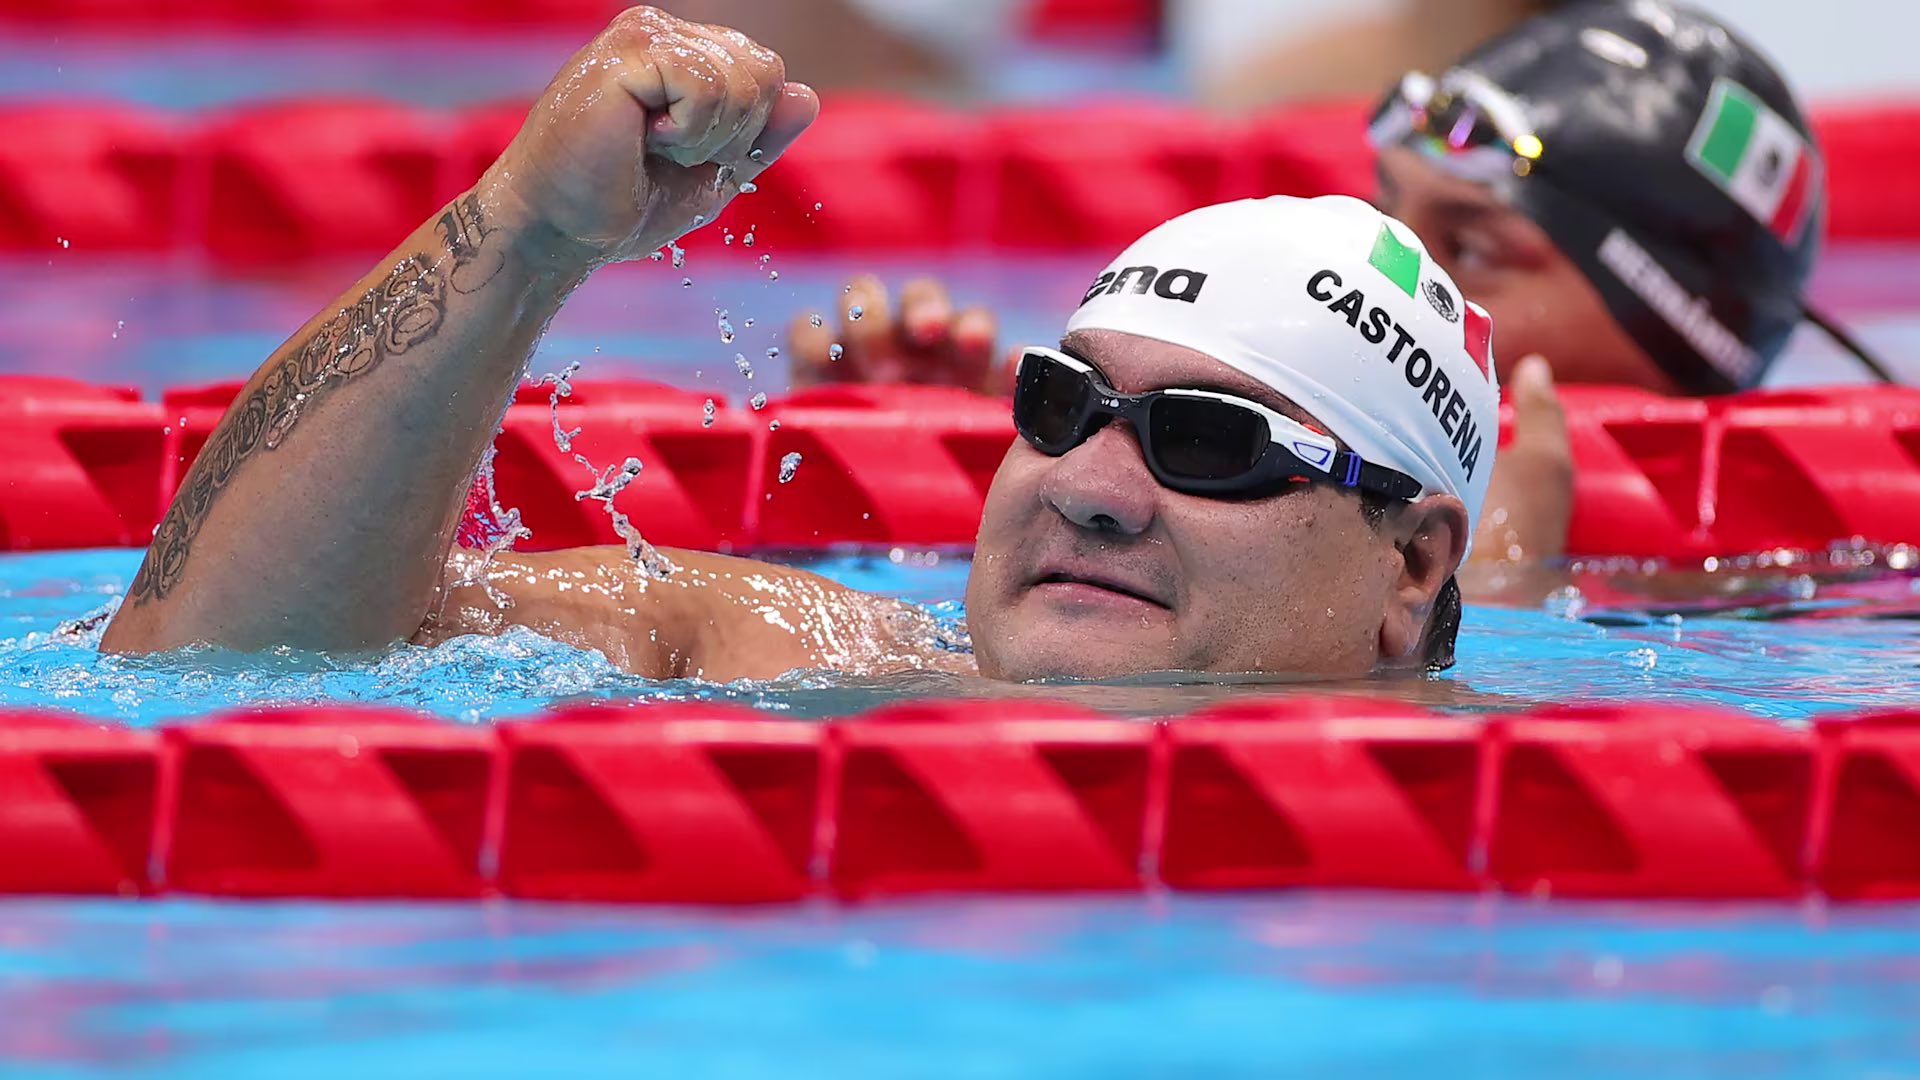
(1628, 187)
(1260, 446)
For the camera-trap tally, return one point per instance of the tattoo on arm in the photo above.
(464, 230)
(403, 311)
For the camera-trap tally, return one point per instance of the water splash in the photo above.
(489, 528)
(562, 388)
(607, 483)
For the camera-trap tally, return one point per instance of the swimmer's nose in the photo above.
(1103, 484)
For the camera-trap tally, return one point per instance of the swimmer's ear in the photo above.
(1430, 536)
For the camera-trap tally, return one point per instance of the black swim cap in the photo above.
(1673, 166)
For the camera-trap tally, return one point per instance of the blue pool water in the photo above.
(1298, 985)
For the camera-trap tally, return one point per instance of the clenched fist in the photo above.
(646, 134)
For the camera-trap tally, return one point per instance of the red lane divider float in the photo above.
(715, 804)
(330, 176)
(1655, 477)
(1119, 22)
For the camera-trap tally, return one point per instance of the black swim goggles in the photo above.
(1197, 442)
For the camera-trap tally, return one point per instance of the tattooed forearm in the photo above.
(406, 309)
(464, 230)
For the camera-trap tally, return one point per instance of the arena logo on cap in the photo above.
(1141, 279)
(1758, 158)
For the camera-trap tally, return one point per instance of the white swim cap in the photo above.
(1334, 305)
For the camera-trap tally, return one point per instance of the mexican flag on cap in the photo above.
(1757, 158)
(1401, 263)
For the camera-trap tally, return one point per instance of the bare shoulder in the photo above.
(707, 616)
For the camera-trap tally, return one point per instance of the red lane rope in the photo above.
(1655, 477)
(331, 177)
(717, 804)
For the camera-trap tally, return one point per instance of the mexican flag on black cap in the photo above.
(1758, 158)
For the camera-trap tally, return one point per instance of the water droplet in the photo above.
(686, 283)
(756, 154)
(773, 275)
(749, 187)
(788, 465)
(856, 312)
(835, 351)
(726, 330)
(817, 206)
(657, 256)
(727, 237)
(758, 401)
(706, 413)
(747, 239)
(773, 425)
(740, 361)
(773, 352)
(748, 323)
(63, 242)
(679, 255)
(699, 220)
(813, 320)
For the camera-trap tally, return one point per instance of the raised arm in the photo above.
(321, 511)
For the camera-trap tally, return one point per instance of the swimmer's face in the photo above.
(1538, 298)
(1086, 567)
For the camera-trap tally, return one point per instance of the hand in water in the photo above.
(925, 341)
(1530, 499)
(646, 134)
